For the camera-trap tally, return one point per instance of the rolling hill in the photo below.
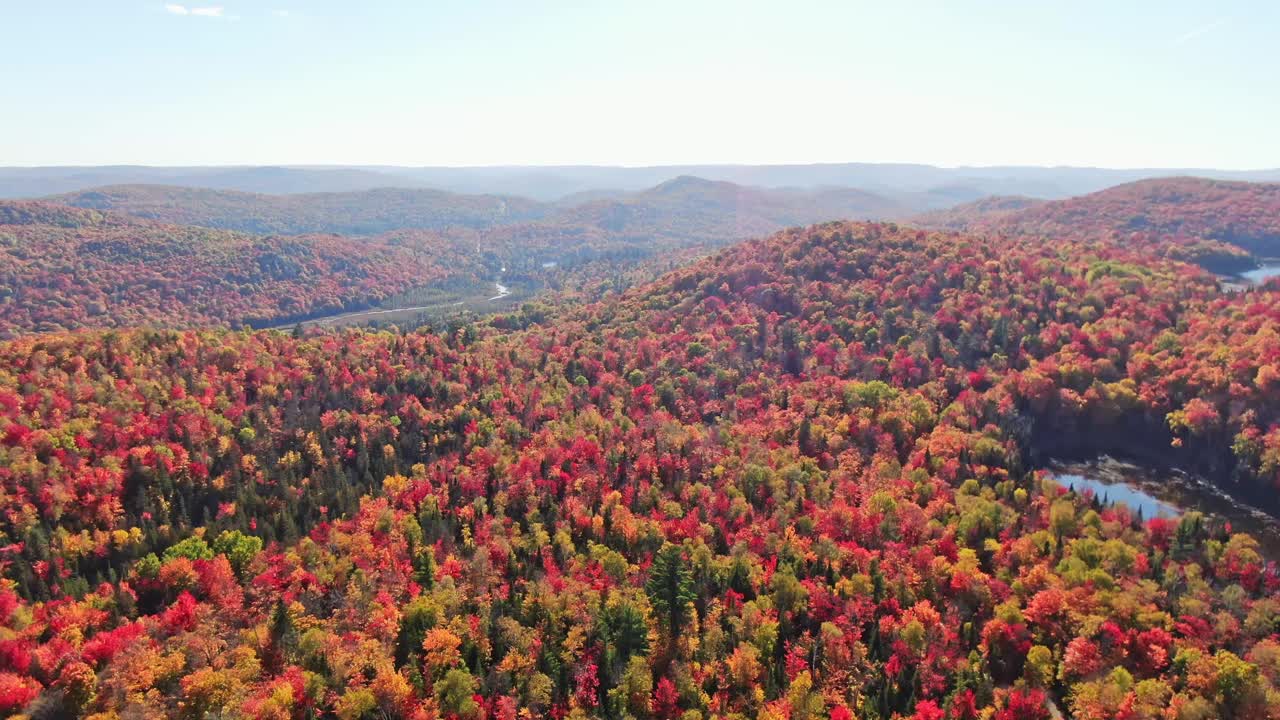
(65, 268)
(976, 214)
(134, 270)
(683, 213)
(551, 183)
(719, 211)
(703, 209)
(180, 257)
(35, 182)
(365, 212)
(1224, 226)
(1240, 213)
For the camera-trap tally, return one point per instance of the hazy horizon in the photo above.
(625, 166)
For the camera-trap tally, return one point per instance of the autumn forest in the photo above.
(708, 452)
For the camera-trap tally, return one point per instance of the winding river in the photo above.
(474, 298)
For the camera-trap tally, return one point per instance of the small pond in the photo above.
(1119, 494)
(1169, 494)
(1261, 274)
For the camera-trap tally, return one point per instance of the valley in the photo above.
(439, 305)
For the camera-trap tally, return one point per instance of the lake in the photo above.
(1119, 494)
(1167, 493)
(1261, 274)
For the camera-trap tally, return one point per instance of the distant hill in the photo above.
(41, 182)
(962, 184)
(681, 213)
(88, 263)
(1240, 213)
(697, 209)
(717, 210)
(365, 212)
(586, 196)
(1222, 225)
(549, 183)
(64, 268)
(178, 257)
(976, 213)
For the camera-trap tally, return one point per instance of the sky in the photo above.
(623, 82)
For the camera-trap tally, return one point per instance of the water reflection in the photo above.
(1119, 493)
(1168, 493)
(1260, 275)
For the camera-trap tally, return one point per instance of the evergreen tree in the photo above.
(670, 587)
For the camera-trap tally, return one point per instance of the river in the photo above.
(474, 297)
(1167, 494)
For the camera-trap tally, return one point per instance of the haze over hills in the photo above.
(358, 212)
(1046, 182)
(704, 209)
(144, 254)
(721, 211)
(549, 183)
(42, 181)
(973, 214)
(639, 361)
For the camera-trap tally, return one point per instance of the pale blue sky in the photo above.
(1116, 84)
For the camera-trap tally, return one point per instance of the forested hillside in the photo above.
(115, 257)
(1192, 219)
(977, 214)
(368, 212)
(685, 213)
(700, 209)
(461, 433)
(1245, 214)
(792, 480)
(721, 211)
(63, 268)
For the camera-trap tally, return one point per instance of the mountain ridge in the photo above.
(685, 199)
(549, 183)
